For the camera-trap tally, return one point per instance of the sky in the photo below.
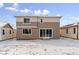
(69, 12)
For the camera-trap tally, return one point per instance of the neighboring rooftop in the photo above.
(70, 25)
(2, 24)
(40, 16)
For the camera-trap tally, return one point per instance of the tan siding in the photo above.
(70, 32)
(14, 34)
(7, 35)
(21, 19)
(49, 19)
(38, 19)
(22, 24)
(35, 32)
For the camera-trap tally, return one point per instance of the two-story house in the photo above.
(38, 27)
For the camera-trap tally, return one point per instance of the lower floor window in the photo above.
(10, 32)
(3, 32)
(26, 31)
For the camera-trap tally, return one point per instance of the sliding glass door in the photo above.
(45, 33)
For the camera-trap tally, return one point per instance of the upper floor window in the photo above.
(74, 30)
(3, 32)
(26, 20)
(41, 20)
(26, 31)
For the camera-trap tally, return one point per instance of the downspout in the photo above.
(37, 21)
(77, 30)
(37, 25)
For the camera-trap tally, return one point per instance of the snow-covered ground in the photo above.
(40, 47)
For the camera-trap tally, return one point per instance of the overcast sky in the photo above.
(69, 12)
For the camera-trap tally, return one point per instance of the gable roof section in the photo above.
(4, 24)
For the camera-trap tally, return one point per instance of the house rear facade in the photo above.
(70, 31)
(38, 27)
(6, 31)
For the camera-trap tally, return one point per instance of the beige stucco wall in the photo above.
(35, 31)
(7, 35)
(62, 32)
(70, 32)
(34, 19)
(14, 34)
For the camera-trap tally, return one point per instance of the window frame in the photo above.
(46, 34)
(26, 34)
(3, 32)
(26, 22)
(67, 31)
(10, 32)
(41, 20)
(74, 30)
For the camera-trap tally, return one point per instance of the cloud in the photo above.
(15, 8)
(41, 12)
(74, 18)
(69, 20)
(11, 8)
(1, 5)
(18, 10)
(58, 14)
(15, 5)
(25, 10)
(46, 12)
(37, 12)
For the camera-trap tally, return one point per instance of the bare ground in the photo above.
(63, 46)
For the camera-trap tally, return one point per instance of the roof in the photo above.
(2, 24)
(41, 16)
(70, 25)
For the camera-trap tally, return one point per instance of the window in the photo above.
(67, 31)
(74, 30)
(41, 20)
(26, 31)
(26, 20)
(50, 32)
(3, 32)
(10, 32)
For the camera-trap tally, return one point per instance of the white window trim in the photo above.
(26, 34)
(46, 28)
(26, 23)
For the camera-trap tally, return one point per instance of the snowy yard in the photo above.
(63, 46)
